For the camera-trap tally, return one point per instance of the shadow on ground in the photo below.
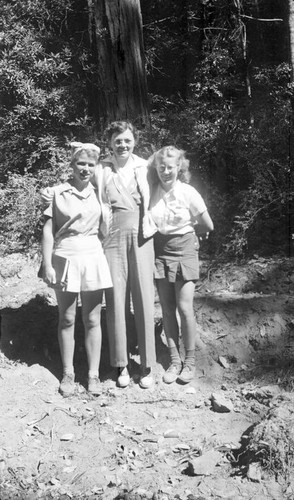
(29, 335)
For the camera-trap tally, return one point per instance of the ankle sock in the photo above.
(190, 358)
(93, 373)
(68, 371)
(174, 356)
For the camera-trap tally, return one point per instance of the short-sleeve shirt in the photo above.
(176, 211)
(74, 212)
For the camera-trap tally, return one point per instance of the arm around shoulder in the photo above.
(97, 176)
(47, 195)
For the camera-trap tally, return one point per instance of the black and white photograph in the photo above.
(147, 249)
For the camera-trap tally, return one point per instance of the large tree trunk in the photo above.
(122, 87)
(291, 31)
(291, 131)
(247, 80)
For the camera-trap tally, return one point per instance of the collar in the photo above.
(134, 161)
(172, 192)
(69, 188)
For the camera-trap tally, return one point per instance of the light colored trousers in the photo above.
(131, 263)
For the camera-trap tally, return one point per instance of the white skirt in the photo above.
(88, 268)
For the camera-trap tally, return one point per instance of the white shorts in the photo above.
(88, 268)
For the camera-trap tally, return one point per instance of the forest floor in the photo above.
(226, 435)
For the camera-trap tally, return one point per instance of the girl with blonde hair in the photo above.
(74, 262)
(176, 207)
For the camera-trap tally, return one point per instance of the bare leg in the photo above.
(184, 297)
(67, 314)
(91, 313)
(167, 297)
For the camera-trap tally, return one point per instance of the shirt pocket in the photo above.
(177, 216)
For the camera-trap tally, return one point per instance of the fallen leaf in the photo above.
(37, 382)
(136, 464)
(190, 390)
(97, 490)
(170, 462)
(171, 434)
(67, 437)
(223, 362)
(181, 446)
(54, 481)
(68, 470)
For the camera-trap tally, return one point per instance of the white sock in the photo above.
(68, 371)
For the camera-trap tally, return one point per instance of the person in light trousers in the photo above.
(128, 246)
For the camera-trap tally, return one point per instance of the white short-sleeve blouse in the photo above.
(176, 211)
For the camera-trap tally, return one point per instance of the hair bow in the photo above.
(80, 146)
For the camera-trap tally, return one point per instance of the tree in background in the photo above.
(291, 129)
(117, 41)
(219, 84)
(43, 105)
(43, 97)
(232, 116)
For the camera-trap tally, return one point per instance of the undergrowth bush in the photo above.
(20, 214)
(242, 168)
(238, 150)
(21, 206)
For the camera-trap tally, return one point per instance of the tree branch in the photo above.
(159, 21)
(259, 19)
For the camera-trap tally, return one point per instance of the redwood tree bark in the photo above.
(291, 31)
(291, 132)
(122, 87)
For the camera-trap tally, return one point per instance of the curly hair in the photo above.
(168, 152)
(118, 127)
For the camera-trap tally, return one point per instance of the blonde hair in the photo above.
(77, 148)
(168, 152)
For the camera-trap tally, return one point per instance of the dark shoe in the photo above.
(187, 374)
(123, 378)
(67, 385)
(146, 379)
(94, 386)
(172, 373)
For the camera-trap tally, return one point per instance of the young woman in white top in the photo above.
(176, 207)
(70, 233)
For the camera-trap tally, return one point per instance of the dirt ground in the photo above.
(169, 442)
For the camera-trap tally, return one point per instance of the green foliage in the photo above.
(243, 171)
(19, 214)
(21, 206)
(43, 92)
(232, 115)
(228, 107)
(43, 101)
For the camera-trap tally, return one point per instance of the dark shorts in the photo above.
(176, 257)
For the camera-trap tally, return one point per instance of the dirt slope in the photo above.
(165, 443)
